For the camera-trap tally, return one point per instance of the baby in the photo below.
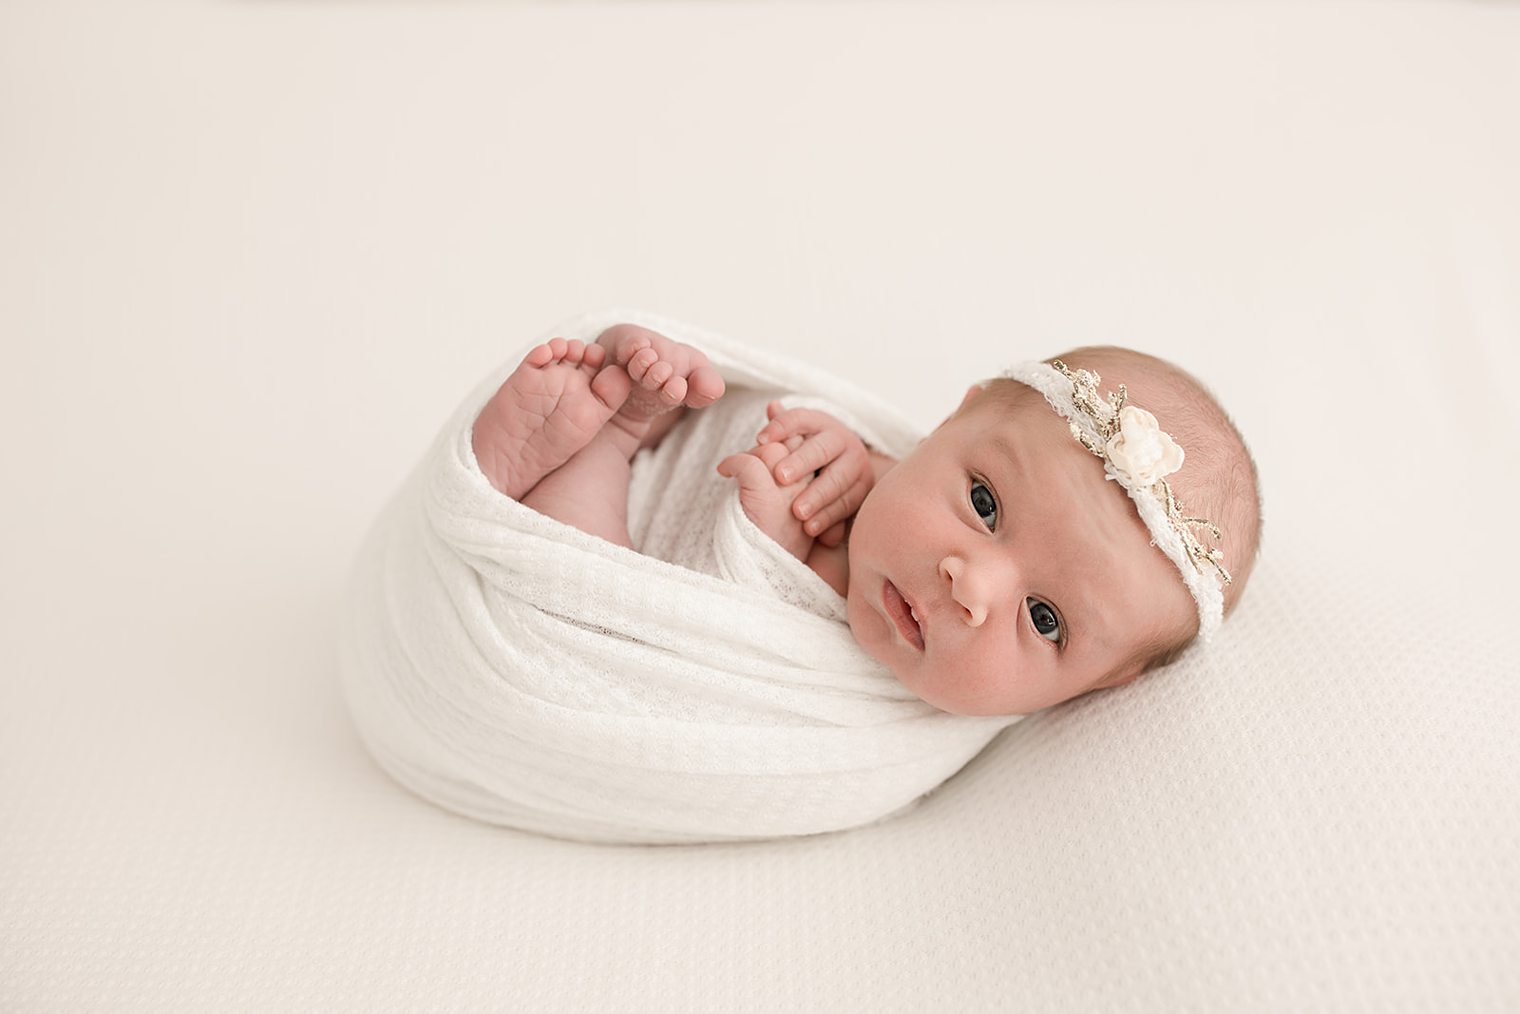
(1029, 550)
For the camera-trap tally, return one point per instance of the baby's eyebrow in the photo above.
(1004, 447)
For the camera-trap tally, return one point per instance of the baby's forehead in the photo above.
(1017, 420)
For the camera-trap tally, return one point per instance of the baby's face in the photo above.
(1033, 577)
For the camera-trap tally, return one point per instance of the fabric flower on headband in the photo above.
(1140, 450)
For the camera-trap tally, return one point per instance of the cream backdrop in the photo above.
(253, 253)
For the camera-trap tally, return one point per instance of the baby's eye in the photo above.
(1045, 620)
(984, 503)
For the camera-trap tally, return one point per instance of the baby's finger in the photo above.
(773, 410)
(834, 536)
(833, 479)
(828, 486)
(793, 420)
(767, 454)
(751, 472)
(815, 452)
(837, 510)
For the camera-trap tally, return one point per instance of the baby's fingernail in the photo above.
(786, 474)
(806, 510)
(764, 437)
(812, 527)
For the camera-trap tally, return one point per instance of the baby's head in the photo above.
(1033, 577)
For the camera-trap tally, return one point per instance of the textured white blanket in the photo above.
(512, 668)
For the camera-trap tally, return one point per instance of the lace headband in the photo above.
(1137, 455)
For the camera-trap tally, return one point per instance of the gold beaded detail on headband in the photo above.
(1138, 455)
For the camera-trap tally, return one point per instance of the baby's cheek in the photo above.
(861, 619)
(982, 683)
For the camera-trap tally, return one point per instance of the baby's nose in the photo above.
(963, 590)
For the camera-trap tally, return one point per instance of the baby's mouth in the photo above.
(903, 615)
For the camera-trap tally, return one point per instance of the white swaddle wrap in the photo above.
(515, 669)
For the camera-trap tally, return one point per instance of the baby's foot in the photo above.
(552, 405)
(665, 375)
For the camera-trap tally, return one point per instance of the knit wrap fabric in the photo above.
(705, 688)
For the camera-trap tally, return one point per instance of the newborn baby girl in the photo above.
(1032, 548)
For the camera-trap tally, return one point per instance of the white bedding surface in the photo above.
(254, 253)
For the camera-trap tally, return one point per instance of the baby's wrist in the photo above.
(797, 542)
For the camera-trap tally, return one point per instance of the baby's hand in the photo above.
(830, 449)
(768, 503)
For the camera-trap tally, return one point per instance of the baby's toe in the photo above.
(611, 386)
(626, 341)
(658, 374)
(703, 387)
(640, 362)
(674, 391)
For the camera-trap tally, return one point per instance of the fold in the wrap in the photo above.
(515, 669)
